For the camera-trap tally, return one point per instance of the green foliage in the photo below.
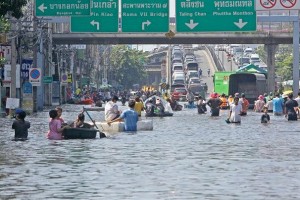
(262, 54)
(285, 67)
(4, 25)
(15, 6)
(127, 65)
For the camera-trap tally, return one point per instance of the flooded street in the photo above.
(187, 156)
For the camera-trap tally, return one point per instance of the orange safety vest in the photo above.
(224, 102)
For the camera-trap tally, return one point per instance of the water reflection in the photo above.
(188, 156)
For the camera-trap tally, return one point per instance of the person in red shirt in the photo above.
(245, 104)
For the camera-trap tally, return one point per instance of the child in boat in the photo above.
(79, 122)
(20, 125)
(265, 118)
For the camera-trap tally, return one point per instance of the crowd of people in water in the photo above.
(156, 104)
(238, 106)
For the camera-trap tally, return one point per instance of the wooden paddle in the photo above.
(101, 134)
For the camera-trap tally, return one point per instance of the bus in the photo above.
(221, 82)
(251, 84)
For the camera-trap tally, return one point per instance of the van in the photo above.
(254, 58)
(248, 51)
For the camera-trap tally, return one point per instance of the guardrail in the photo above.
(217, 61)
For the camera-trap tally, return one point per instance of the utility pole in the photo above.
(13, 88)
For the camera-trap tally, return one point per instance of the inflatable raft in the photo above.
(142, 125)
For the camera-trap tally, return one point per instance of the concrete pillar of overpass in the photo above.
(271, 50)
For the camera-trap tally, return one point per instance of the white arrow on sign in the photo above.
(42, 8)
(95, 23)
(191, 25)
(145, 23)
(240, 24)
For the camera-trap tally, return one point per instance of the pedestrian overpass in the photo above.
(270, 39)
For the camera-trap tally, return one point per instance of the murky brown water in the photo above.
(187, 156)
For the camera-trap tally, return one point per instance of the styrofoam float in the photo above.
(142, 125)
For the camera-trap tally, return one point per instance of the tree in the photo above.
(15, 6)
(285, 67)
(127, 65)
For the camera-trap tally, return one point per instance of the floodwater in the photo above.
(187, 156)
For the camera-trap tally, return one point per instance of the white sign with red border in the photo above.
(264, 5)
(35, 76)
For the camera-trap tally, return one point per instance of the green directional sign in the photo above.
(47, 79)
(145, 15)
(104, 18)
(217, 15)
(62, 7)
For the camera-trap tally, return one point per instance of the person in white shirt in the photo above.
(111, 110)
(235, 111)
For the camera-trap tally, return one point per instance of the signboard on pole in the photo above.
(35, 76)
(64, 79)
(277, 5)
(104, 18)
(212, 16)
(62, 8)
(25, 66)
(27, 88)
(145, 16)
(70, 79)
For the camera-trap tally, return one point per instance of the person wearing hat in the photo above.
(291, 108)
(20, 125)
(129, 116)
(259, 104)
(277, 105)
(214, 103)
(111, 109)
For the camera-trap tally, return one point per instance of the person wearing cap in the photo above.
(277, 105)
(111, 110)
(20, 125)
(259, 104)
(214, 103)
(129, 116)
(291, 108)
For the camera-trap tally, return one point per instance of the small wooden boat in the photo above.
(86, 102)
(79, 133)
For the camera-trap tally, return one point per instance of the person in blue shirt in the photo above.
(277, 105)
(129, 116)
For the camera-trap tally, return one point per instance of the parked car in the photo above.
(179, 94)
